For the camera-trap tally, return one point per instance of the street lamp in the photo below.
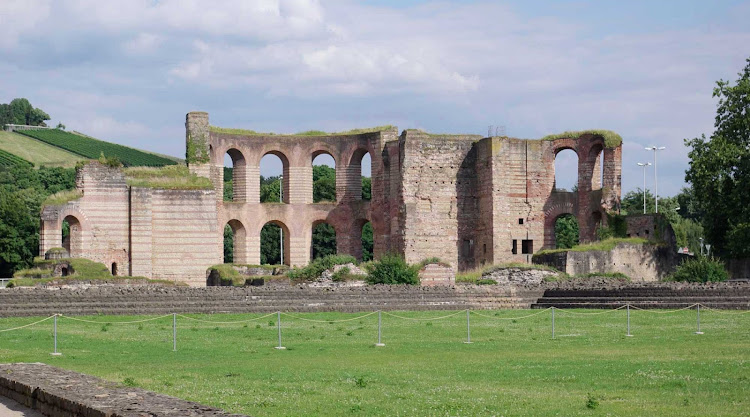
(656, 183)
(644, 165)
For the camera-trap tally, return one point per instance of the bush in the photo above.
(392, 269)
(316, 267)
(700, 269)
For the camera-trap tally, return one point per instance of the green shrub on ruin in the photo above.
(316, 267)
(171, 177)
(611, 139)
(392, 269)
(62, 197)
(700, 269)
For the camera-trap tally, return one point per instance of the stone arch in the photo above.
(285, 174)
(325, 192)
(239, 174)
(323, 241)
(564, 236)
(284, 245)
(595, 163)
(239, 241)
(73, 243)
(563, 168)
(350, 176)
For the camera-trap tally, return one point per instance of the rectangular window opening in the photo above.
(515, 247)
(520, 221)
(527, 246)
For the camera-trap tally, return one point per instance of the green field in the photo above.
(92, 148)
(36, 152)
(513, 368)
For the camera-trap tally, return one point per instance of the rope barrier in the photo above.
(27, 325)
(426, 319)
(724, 312)
(511, 318)
(664, 312)
(567, 311)
(329, 321)
(114, 322)
(226, 322)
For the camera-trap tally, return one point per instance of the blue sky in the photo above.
(129, 70)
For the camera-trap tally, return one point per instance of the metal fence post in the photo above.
(468, 328)
(278, 325)
(54, 331)
(553, 322)
(629, 335)
(698, 317)
(379, 344)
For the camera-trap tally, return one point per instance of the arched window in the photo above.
(114, 269)
(567, 233)
(358, 180)
(274, 178)
(367, 242)
(323, 240)
(235, 176)
(274, 244)
(566, 170)
(324, 178)
(71, 236)
(235, 241)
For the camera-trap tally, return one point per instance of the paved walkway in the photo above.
(10, 408)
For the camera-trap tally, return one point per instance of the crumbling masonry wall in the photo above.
(468, 200)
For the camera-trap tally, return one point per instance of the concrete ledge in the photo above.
(57, 392)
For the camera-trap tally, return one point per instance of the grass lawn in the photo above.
(37, 152)
(513, 368)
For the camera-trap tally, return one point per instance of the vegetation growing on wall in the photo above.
(196, 149)
(611, 139)
(248, 132)
(174, 177)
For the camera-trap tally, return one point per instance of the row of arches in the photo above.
(567, 165)
(275, 237)
(275, 177)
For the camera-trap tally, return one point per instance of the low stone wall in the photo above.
(639, 262)
(436, 274)
(301, 298)
(722, 295)
(57, 392)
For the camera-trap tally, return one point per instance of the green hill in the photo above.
(36, 152)
(8, 159)
(91, 148)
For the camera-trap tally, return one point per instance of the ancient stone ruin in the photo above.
(468, 200)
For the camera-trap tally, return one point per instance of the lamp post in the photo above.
(644, 165)
(281, 229)
(656, 183)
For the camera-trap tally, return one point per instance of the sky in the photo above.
(129, 70)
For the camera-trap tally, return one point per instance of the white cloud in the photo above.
(301, 64)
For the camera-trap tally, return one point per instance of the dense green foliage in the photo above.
(317, 266)
(20, 112)
(720, 170)
(611, 139)
(8, 160)
(324, 183)
(392, 269)
(93, 148)
(700, 269)
(323, 241)
(22, 191)
(332, 369)
(566, 231)
(679, 210)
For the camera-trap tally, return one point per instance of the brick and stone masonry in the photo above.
(468, 200)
